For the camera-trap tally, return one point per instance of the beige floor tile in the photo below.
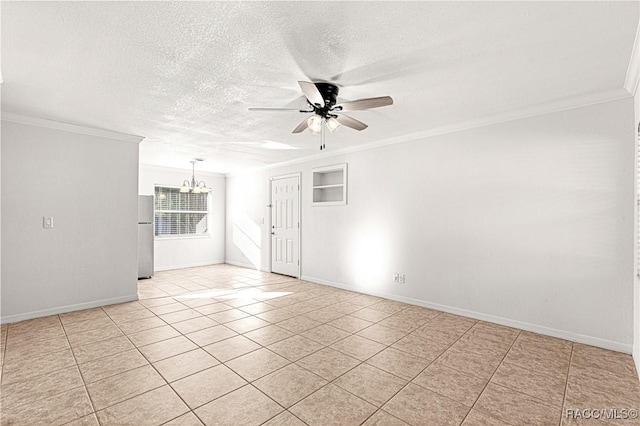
(213, 308)
(245, 406)
(494, 332)
(328, 363)
(167, 348)
(382, 418)
(419, 406)
(371, 384)
(178, 316)
(90, 420)
(35, 349)
(154, 407)
(57, 409)
(325, 334)
(28, 336)
(515, 407)
(185, 364)
(207, 385)
(545, 387)
(615, 362)
(211, 335)
(543, 362)
(382, 334)
(246, 324)
(451, 383)
(421, 347)
(284, 419)
(90, 324)
(389, 306)
(364, 300)
(238, 302)
(613, 383)
(289, 384)
(194, 324)
(114, 389)
(233, 347)
(276, 315)
(257, 308)
(324, 315)
(228, 315)
(580, 397)
(81, 316)
(188, 419)
(22, 369)
(194, 302)
(542, 342)
(478, 418)
(101, 349)
(139, 314)
(299, 324)
(142, 324)
(256, 364)
(332, 405)
(403, 323)
(268, 335)
(295, 347)
(123, 308)
(168, 308)
(371, 315)
(28, 392)
(147, 337)
(94, 335)
(471, 363)
(481, 346)
(399, 363)
(350, 323)
(358, 347)
(108, 366)
(35, 323)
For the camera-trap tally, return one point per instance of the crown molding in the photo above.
(633, 71)
(181, 170)
(519, 114)
(68, 127)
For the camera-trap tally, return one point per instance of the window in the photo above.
(180, 213)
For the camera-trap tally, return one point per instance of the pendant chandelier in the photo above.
(195, 187)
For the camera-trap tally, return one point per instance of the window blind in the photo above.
(180, 213)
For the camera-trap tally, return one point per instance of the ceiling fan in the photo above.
(322, 99)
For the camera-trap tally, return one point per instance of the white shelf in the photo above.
(330, 185)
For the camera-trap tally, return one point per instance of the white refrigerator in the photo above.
(145, 236)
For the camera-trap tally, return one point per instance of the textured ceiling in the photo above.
(184, 74)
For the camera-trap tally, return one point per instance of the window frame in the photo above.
(206, 234)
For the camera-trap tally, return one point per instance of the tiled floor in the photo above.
(231, 346)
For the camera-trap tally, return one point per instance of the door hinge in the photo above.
(298, 262)
(298, 187)
(298, 225)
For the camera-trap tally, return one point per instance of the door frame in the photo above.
(270, 206)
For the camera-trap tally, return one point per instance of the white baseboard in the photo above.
(562, 334)
(187, 265)
(67, 308)
(242, 265)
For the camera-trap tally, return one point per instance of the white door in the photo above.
(285, 226)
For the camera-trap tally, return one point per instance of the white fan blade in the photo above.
(361, 104)
(312, 93)
(345, 120)
(301, 127)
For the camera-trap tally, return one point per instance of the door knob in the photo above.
(273, 233)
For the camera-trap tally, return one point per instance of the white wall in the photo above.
(636, 292)
(525, 223)
(173, 253)
(89, 185)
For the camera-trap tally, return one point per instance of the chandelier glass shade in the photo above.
(194, 186)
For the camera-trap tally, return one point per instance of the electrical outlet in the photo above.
(47, 222)
(402, 279)
(396, 277)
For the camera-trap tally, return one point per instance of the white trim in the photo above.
(187, 265)
(633, 71)
(271, 179)
(562, 334)
(67, 308)
(179, 169)
(68, 127)
(513, 115)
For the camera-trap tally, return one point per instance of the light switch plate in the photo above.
(47, 222)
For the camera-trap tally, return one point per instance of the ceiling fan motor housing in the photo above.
(329, 93)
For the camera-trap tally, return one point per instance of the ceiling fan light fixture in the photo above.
(315, 124)
(332, 124)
